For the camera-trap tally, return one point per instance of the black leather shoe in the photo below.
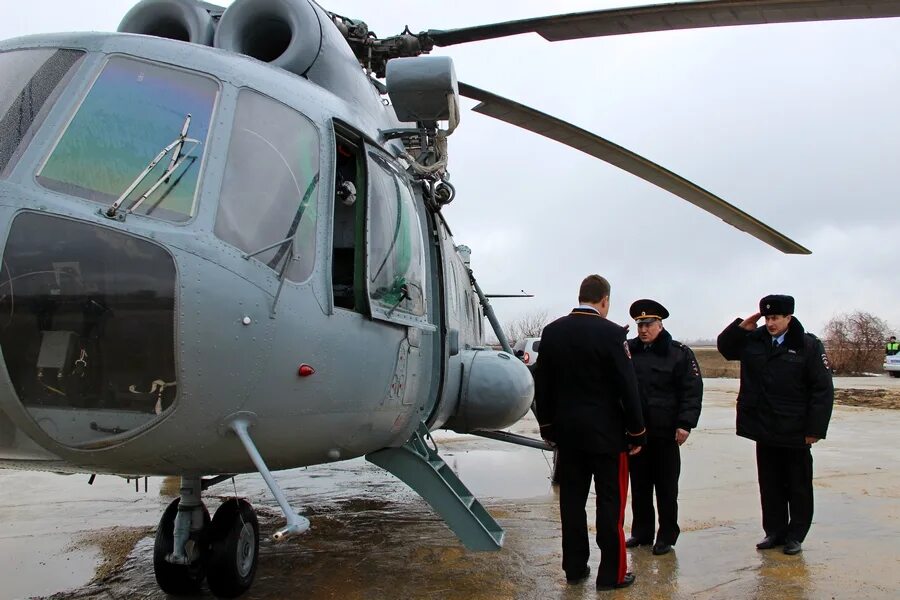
(580, 577)
(791, 547)
(634, 542)
(629, 579)
(768, 542)
(660, 548)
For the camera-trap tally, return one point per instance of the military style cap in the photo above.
(645, 310)
(776, 304)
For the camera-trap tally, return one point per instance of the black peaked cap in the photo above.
(647, 309)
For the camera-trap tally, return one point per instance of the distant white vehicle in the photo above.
(527, 350)
(892, 365)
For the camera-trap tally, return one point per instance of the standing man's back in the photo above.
(588, 404)
(590, 350)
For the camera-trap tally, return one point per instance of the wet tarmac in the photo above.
(372, 538)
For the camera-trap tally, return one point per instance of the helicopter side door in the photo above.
(397, 279)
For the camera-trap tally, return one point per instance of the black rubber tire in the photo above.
(234, 549)
(179, 580)
(894, 373)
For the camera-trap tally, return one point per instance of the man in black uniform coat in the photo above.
(784, 405)
(588, 405)
(671, 393)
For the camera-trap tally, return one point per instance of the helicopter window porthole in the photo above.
(396, 252)
(31, 80)
(269, 191)
(132, 112)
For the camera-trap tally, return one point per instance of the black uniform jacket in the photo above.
(786, 392)
(670, 384)
(586, 392)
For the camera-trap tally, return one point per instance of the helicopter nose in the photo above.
(87, 326)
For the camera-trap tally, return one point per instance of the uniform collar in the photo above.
(660, 345)
(793, 337)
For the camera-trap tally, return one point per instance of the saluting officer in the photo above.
(588, 405)
(671, 394)
(784, 405)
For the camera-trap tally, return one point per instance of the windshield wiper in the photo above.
(177, 160)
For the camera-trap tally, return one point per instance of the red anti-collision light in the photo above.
(305, 370)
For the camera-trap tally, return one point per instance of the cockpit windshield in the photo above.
(134, 109)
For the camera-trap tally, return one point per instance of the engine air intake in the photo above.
(285, 33)
(184, 20)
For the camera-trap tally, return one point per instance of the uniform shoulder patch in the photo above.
(627, 350)
(825, 361)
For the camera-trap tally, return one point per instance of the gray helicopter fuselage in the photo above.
(243, 322)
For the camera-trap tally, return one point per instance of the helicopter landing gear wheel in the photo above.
(234, 549)
(179, 579)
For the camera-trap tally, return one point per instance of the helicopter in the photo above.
(224, 251)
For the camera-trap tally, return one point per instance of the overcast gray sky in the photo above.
(795, 124)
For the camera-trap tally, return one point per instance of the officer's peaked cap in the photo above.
(647, 310)
(776, 304)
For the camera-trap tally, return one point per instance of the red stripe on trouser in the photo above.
(623, 496)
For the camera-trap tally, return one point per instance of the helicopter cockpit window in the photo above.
(31, 81)
(270, 184)
(87, 328)
(134, 110)
(396, 254)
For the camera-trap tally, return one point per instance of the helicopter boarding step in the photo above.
(419, 466)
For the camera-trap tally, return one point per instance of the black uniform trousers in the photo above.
(610, 474)
(657, 465)
(785, 490)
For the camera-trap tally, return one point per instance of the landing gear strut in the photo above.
(173, 577)
(190, 546)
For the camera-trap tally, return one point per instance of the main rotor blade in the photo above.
(681, 15)
(556, 129)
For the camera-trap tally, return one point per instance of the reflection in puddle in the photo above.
(493, 474)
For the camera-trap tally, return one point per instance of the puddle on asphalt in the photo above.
(48, 566)
(495, 474)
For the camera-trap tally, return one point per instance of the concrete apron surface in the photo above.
(371, 538)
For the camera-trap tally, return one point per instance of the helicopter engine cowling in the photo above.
(284, 33)
(496, 391)
(184, 20)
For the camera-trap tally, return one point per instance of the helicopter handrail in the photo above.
(177, 160)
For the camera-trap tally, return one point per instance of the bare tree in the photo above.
(855, 342)
(530, 324)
